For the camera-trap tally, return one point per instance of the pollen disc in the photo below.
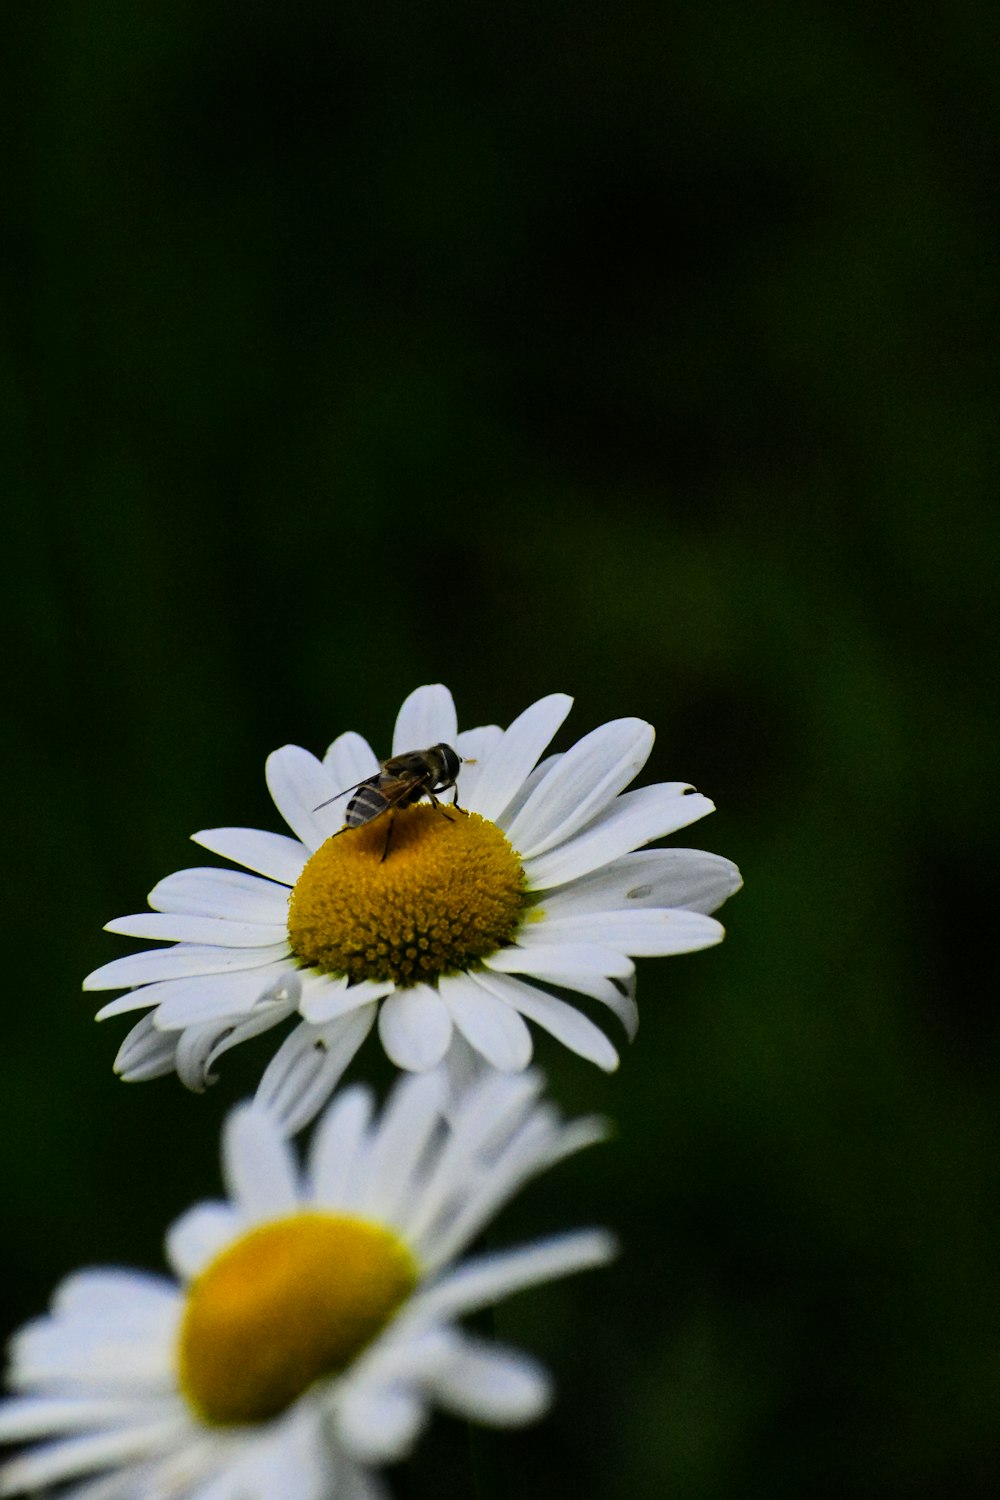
(293, 1300)
(450, 891)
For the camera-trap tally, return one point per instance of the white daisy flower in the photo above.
(313, 1319)
(453, 941)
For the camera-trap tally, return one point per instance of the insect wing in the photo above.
(378, 794)
(400, 791)
(366, 781)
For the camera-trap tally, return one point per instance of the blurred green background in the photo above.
(643, 352)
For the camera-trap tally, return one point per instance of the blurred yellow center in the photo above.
(449, 891)
(291, 1301)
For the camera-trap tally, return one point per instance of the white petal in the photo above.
(259, 1168)
(233, 894)
(567, 1024)
(380, 1425)
(198, 1236)
(415, 1028)
(212, 997)
(337, 1145)
(278, 1461)
(536, 1143)
(492, 1109)
(200, 1047)
(588, 777)
(350, 759)
(205, 999)
(44, 1416)
(492, 1028)
(459, 1069)
(140, 999)
(409, 1119)
(178, 962)
(299, 785)
(488, 1278)
(498, 1386)
(635, 818)
(517, 753)
(475, 747)
(96, 1360)
(510, 812)
(77, 1456)
(137, 1297)
(617, 994)
(654, 877)
(325, 998)
(145, 1053)
(272, 854)
(649, 933)
(426, 718)
(217, 932)
(308, 1066)
(569, 958)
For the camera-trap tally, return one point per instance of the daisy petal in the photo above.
(567, 1024)
(200, 1047)
(325, 998)
(30, 1417)
(648, 933)
(510, 812)
(415, 1028)
(84, 1455)
(299, 785)
(635, 818)
(488, 1278)
(426, 718)
(140, 1297)
(212, 997)
(489, 1384)
(259, 1168)
(475, 746)
(517, 753)
(337, 1145)
(408, 1121)
(272, 854)
(146, 1053)
(569, 958)
(178, 963)
(307, 1067)
(215, 932)
(233, 894)
(203, 999)
(588, 777)
(350, 759)
(621, 1002)
(653, 877)
(197, 1237)
(492, 1028)
(493, 1106)
(380, 1425)
(459, 1070)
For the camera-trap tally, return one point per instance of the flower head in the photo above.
(451, 927)
(311, 1323)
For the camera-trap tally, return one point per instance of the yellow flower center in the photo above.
(293, 1300)
(449, 891)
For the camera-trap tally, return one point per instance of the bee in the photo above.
(399, 782)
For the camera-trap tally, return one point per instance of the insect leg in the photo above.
(391, 819)
(440, 807)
